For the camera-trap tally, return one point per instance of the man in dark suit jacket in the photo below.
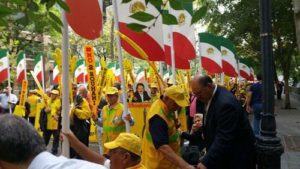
(227, 133)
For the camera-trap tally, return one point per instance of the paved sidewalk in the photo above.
(288, 129)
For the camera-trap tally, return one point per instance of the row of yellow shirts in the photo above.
(36, 104)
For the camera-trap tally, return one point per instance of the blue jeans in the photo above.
(257, 109)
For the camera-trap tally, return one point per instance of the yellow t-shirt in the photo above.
(33, 101)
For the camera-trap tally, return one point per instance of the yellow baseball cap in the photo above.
(177, 94)
(111, 90)
(128, 141)
(153, 85)
(54, 92)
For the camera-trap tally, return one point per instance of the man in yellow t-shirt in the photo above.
(53, 111)
(33, 100)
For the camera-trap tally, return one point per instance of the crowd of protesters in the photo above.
(219, 134)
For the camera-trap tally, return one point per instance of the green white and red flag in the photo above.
(4, 65)
(150, 40)
(21, 67)
(38, 67)
(210, 52)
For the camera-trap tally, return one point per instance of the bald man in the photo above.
(227, 133)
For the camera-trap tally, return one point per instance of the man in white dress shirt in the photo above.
(23, 148)
(7, 100)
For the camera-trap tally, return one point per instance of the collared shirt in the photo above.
(4, 100)
(142, 96)
(131, 122)
(208, 104)
(46, 160)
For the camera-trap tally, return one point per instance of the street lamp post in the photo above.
(268, 145)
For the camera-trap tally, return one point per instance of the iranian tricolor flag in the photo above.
(244, 68)
(180, 63)
(210, 53)
(183, 33)
(56, 74)
(38, 67)
(4, 65)
(80, 71)
(150, 40)
(229, 64)
(140, 75)
(21, 67)
(252, 74)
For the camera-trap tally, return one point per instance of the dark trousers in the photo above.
(32, 120)
(81, 131)
(47, 135)
(279, 92)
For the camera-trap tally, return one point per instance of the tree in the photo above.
(239, 21)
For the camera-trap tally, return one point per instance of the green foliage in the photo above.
(239, 21)
(176, 4)
(136, 27)
(199, 14)
(32, 12)
(142, 16)
(167, 18)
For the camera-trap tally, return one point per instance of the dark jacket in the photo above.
(137, 97)
(194, 139)
(228, 135)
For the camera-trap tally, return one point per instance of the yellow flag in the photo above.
(92, 76)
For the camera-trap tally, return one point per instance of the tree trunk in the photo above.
(296, 4)
(287, 103)
(286, 75)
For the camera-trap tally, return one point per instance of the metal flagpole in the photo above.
(238, 77)
(200, 63)
(65, 88)
(43, 77)
(222, 78)
(172, 51)
(161, 71)
(238, 69)
(25, 66)
(173, 57)
(9, 86)
(116, 19)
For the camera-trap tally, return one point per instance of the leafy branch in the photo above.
(168, 18)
